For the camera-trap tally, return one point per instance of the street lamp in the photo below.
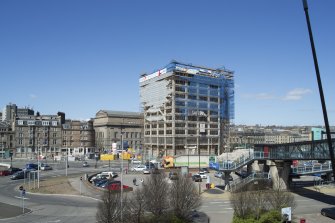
(38, 167)
(2, 147)
(322, 98)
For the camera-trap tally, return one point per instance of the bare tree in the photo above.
(109, 210)
(241, 203)
(279, 198)
(155, 191)
(136, 206)
(259, 202)
(184, 197)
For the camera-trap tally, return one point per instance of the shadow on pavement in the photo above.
(214, 191)
(9, 211)
(315, 195)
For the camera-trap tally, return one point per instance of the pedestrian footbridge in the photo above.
(280, 157)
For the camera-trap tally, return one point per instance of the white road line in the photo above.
(21, 198)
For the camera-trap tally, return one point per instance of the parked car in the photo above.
(135, 161)
(202, 175)
(100, 182)
(328, 212)
(173, 176)
(196, 178)
(104, 175)
(19, 175)
(138, 168)
(205, 170)
(31, 166)
(146, 170)
(85, 164)
(108, 183)
(46, 167)
(115, 185)
(13, 170)
(218, 174)
(9, 171)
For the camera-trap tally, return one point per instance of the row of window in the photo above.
(180, 131)
(195, 84)
(34, 122)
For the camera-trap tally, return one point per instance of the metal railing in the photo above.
(237, 184)
(315, 168)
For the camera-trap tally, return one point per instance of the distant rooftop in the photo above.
(120, 113)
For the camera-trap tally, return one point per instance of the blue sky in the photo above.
(83, 56)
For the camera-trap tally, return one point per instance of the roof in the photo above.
(120, 113)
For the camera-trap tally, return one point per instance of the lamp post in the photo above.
(318, 76)
(38, 167)
(199, 169)
(2, 147)
(121, 171)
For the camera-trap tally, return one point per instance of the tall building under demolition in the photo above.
(187, 108)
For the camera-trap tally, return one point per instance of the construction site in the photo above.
(187, 110)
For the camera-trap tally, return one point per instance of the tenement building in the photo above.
(187, 109)
(38, 135)
(78, 138)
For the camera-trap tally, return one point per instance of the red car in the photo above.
(113, 185)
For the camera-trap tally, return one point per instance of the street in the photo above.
(59, 208)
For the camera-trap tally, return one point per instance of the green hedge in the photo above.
(268, 217)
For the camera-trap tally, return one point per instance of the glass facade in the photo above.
(186, 106)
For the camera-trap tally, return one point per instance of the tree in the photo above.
(109, 210)
(241, 203)
(136, 206)
(184, 197)
(155, 191)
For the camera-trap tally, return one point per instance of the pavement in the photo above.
(10, 211)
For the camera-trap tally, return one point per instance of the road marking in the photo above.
(25, 198)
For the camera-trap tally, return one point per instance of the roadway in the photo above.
(62, 208)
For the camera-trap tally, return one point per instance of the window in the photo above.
(202, 98)
(192, 97)
(192, 90)
(203, 91)
(192, 125)
(180, 96)
(180, 125)
(31, 122)
(180, 103)
(192, 104)
(180, 131)
(45, 123)
(192, 132)
(214, 100)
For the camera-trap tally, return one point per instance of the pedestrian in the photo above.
(134, 181)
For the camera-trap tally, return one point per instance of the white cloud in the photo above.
(32, 96)
(296, 94)
(259, 96)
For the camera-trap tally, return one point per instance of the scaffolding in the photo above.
(187, 106)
